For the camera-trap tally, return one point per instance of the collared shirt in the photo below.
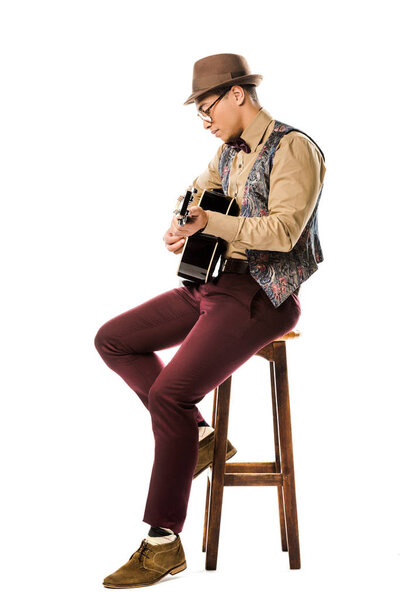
(296, 178)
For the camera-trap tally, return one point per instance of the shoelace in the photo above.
(142, 551)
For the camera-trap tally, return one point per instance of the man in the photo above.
(275, 173)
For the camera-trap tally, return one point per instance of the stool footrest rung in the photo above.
(253, 479)
(250, 467)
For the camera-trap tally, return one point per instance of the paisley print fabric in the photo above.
(278, 273)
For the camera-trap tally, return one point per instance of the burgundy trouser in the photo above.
(219, 326)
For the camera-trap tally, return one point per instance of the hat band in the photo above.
(202, 83)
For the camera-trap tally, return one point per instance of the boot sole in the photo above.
(173, 571)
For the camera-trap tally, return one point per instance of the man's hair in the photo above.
(249, 88)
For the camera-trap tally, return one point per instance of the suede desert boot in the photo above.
(149, 564)
(206, 453)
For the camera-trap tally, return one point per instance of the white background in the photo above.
(96, 146)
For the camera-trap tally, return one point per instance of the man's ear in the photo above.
(239, 94)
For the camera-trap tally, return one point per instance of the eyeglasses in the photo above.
(205, 115)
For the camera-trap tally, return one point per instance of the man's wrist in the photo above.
(202, 229)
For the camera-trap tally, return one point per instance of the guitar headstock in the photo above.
(183, 208)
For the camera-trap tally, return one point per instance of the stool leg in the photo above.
(206, 511)
(282, 520)
(286, 446)
(206, 515)
(218, 473)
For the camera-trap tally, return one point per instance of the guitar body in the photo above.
(202, 251)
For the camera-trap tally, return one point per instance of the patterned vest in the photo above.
(278, 273)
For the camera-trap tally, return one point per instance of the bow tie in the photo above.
(239, 144)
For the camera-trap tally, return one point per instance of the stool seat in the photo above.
(290, 335)
(279, 473)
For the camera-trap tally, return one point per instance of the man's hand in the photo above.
(173, 243)
(197, 219)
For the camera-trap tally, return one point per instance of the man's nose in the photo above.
(206, 124)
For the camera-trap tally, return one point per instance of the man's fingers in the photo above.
(172, 238)
(178, 245)
(176, 248)
(179, 250)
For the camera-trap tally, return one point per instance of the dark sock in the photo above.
(159, 532)
(203, 423)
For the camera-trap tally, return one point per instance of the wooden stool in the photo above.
(279, 473)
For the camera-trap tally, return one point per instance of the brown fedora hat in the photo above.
(218, 70)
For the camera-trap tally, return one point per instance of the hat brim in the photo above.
(253, 79)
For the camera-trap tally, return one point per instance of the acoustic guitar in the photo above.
(202, 251)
